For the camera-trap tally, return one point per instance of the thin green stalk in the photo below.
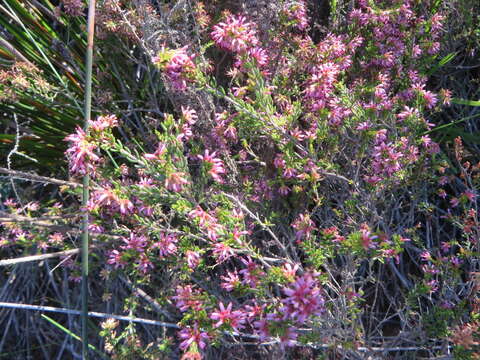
(86, 177)
(73, 335)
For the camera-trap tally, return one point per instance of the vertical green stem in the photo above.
(86, 177)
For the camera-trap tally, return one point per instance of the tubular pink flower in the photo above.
(104, 122)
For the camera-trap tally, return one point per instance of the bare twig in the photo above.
(38, 257)
(37, 178)
(90, 313)
(146, 297)
(255, 217)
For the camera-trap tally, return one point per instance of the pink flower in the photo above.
(222, 252)
(303, 299)
(279, 161)
(80, 154)
(230, 281)
(178, 66)
(430, 269)
(426, 256)
(96, 229)
(135, 242)
(204, 218)
(290, 271)
(433, 285)
(193, 335)
(364, 126)
(235, 34)
(207, 222)
(289, 173)
(321, 84)
(304, 226)
(446, 96)
(55, 239)
(193, 259)
(166, 244)
(187, 298)
(158, 154)
(251, 273)
(104, 122)
(10, 203)
(215, 165)
(125, 206)
(367, 238)
(223, 315)
(115, 259)
(430, 99)
(454, 202)
(469, 194)
(260, 55)
(189, 115)
(297, 11)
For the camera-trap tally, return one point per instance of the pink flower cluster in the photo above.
(81, 152)
(304, 227)
(225, 315)
(389, 158)
(207, 223)
(179, 68)
(108, 199)
(235, 34)
(297, 11)
(167, 244)
(193, 335)
(188, 298)
(303, 299)
(175, 181)
(215, 166)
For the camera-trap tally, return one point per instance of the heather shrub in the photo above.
(292, 198)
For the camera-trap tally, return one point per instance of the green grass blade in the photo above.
(466, 102)
(72, 334)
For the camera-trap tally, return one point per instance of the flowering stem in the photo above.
(86, 177)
